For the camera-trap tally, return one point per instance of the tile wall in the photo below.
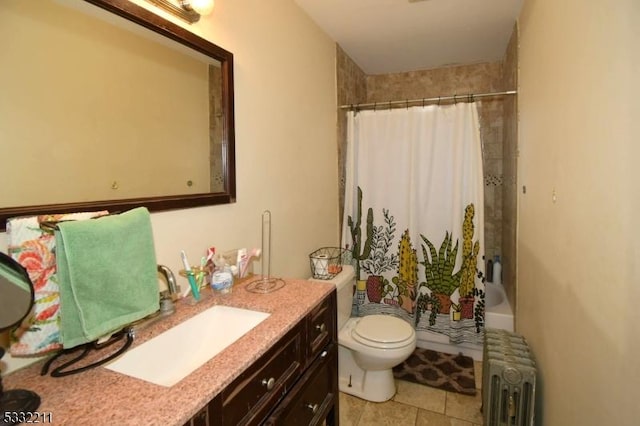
(509, 181)
(352, 89)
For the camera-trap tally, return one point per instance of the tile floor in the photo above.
(415, 405)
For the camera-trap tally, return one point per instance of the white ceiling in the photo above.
(384, 36)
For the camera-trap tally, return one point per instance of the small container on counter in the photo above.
(222, 280)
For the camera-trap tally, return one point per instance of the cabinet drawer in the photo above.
(321, 328)
(254, 393)
(313, 397)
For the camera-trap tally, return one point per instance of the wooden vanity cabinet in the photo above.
(204, 417)
(294, 383)
(321, 329)
(314, 399)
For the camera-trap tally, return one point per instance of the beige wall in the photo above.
(579, 138)
(286, 153)
(286, 150)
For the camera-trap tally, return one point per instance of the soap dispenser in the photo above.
(489, 271)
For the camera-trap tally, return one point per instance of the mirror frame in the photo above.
(153, 22)
(9, 261)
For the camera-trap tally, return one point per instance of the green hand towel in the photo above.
(107, 275)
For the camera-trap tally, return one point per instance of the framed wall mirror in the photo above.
(107, 105)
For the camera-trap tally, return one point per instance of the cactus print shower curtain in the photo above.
(413, 218)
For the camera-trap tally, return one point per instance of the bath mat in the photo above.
(453, 373)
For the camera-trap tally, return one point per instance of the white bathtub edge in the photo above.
(499, 316)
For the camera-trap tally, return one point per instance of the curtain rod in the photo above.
(455, 98)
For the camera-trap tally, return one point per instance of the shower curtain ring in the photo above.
(469, 97)
(423, 100)
(407, 103)
(375, 106)
(438, 100)
(455, 101)
(389, 104)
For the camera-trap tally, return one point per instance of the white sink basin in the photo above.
(169, 357)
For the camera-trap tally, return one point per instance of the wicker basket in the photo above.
(326, 262)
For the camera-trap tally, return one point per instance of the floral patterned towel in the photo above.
(34, 249)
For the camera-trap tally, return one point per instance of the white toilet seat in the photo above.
(383, 331)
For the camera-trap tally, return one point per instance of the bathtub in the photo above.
(498, 314)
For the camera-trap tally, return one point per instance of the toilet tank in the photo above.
(345, 283)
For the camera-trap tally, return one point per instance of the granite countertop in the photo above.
(103, 397)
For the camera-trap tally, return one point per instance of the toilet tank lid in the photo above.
(345, 277)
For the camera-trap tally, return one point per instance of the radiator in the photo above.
(508, 380)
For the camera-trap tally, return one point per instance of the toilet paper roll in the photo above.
(321, 266)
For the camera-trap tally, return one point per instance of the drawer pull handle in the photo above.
(269, 383)
(323, 354)
(321, 328)
(313, 407)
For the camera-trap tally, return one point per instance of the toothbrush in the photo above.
(245, 265)
(203, 261)
(241, 260)
(190, 277)
(186, 293)
(211, 251)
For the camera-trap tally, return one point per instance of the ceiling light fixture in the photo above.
(188, 10)
(202, 7)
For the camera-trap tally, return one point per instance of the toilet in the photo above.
(369, 347)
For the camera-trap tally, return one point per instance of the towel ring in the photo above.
(61, 371)
(51, 226)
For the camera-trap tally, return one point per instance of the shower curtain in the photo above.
(413, 217)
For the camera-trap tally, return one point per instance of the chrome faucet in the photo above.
(166, 297)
